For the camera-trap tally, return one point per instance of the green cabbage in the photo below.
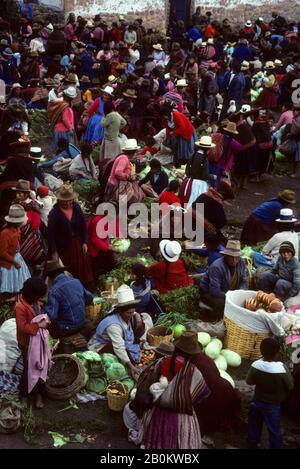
(97, 385)
(226, 376)
(232, 358)
(218, 342)
(204, 338)
(108, 359)
(121, 245)
(212, 350)
(116, 371)
(221, 363)
(129, 383)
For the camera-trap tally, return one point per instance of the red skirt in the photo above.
(254, 231)
(76, 262)
(268, 99)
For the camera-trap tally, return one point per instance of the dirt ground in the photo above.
(103, 428)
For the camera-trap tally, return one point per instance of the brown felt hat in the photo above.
(188, 343)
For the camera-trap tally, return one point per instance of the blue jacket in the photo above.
(194, 34)
(242, 52)
(86, 67)
(216, 281)
(235, 88)
(66, 303)
(268, 211)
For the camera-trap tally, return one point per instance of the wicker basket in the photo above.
(243, 342)
(93, 312)
(117, 402)
(66, 377)
(158, 335)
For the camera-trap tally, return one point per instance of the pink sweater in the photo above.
(39, 354)
(285, 118)
(121, 170)
(66, 122)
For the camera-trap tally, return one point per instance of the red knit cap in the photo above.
(42, 191)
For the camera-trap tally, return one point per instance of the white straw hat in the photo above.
(16, 214)
(170, 250)
(108, 90)
(125, 296)
(130, 145)
(71, 92)
(205, 142)
(181, 83)
(286, 216)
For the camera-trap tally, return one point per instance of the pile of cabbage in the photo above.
(223, 358)
(101, 370)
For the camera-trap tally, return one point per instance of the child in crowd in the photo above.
(13, 269)
(26, 309)
(272, 382)
(133, 414)
(169, 195)
(284, 280)
(46, 203)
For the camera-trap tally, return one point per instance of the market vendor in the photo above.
(227, 273)
(121, 330)
(260, 225)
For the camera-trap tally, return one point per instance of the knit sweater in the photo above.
(272, 381)
(289, 271)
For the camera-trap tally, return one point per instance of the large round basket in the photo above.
(66, 377)
(243, 342)
(245, 329)
(158, 335)
(118, 401)
(93, 312)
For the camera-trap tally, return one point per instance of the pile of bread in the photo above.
(266, 301)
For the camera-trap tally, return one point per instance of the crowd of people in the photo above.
(214, 104)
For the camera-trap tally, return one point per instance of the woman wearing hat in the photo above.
(13, 269)
(191, 68)
(159, 56)
(15, 92)
(227, 273)
(122, 181)
(14, 124)
(122, 329)
(172, 422)
(262, 131)
(31, 246)
(61, 116)
(197, 178)
(260, 225)
(177, 58)
(68, 235)
(95, 132)
(268, 97)
(171, 273)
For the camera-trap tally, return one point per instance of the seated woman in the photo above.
(171, 273)
(260, 225)
(82, 166)
(155, 181)
(65, 150)
(122, 180)
(226, 273)
(214, 213)
(284, 280)
(172, 422)
(142, 289)
(169, 195)
(122, 329)
(270, 252)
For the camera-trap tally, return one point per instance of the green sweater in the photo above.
(272, 381)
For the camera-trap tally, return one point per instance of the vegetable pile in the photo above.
(222, 357)
(121, 245)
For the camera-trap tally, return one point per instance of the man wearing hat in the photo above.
(67, 300)
(284, 280)
(226, 273)
(35, 155)
(122, 329)
(260, 225)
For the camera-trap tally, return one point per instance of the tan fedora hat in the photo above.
(233, 248)
(66, 192)
(130, 94)
(54, 266)
(287, 196)
(188, 343)
(16, 214)
(230, 128)
(22, 186)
